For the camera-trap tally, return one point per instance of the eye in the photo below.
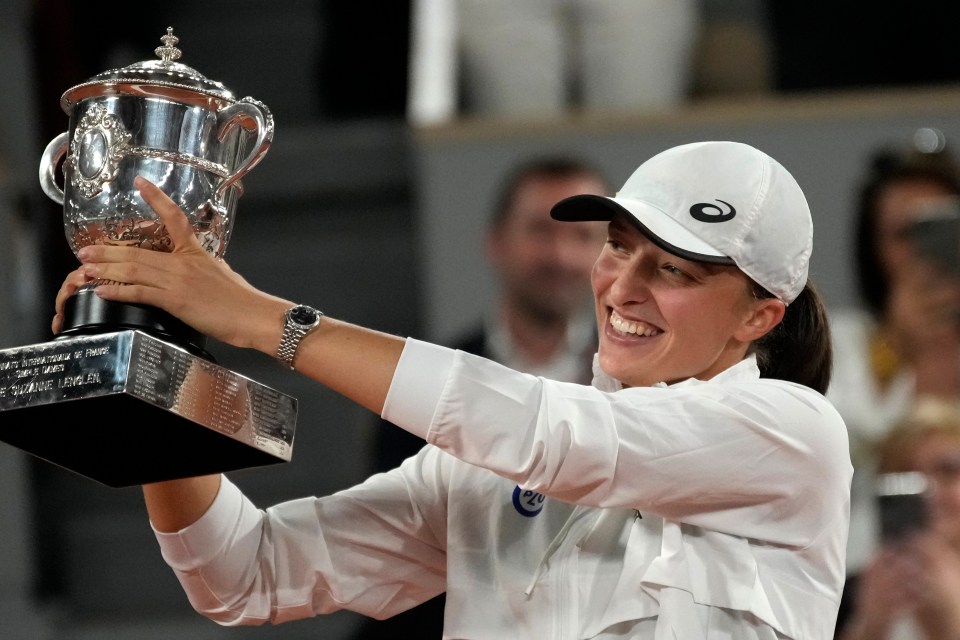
(614, 244)
(674, 270)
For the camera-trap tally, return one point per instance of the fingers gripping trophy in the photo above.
(162, 120)
(127, 394)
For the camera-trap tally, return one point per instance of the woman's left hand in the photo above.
(189, 283)
(938, 610)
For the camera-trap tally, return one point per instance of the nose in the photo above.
(556, 248)
(629, 284)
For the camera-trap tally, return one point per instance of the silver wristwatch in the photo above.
(298, 322)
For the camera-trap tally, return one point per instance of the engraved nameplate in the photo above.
(126, 408)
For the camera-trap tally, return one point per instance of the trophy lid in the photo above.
(164, 78)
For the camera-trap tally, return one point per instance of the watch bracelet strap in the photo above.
(293, 334)
(289, 342)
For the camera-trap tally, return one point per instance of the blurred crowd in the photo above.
(897, 384)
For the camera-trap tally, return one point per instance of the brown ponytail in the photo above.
(799, 349)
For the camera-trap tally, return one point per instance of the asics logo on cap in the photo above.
(709, 212)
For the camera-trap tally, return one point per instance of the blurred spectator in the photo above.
(910, 589)
(542, 322)
(541, 58)
(734, 53)
(905, 344)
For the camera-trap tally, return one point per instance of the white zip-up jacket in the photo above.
(714, 509)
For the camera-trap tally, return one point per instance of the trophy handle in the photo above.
(255, 117)
(55, 150)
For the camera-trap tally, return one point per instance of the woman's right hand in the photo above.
(888, 588)
(939, 607)
(918, 577)
(187, 282)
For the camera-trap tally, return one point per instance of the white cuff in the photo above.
(419, 380)
(185, 549)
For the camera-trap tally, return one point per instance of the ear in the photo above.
(762, 316)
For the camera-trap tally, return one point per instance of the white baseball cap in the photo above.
(720, 202)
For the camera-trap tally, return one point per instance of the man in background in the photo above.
(542, 321)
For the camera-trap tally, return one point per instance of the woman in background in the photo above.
(910, 589)
(904, 345)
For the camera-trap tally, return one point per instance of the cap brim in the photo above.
(664, 231)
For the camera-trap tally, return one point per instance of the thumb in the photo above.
(172, 216)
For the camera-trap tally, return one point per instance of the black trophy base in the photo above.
(147, 445)
(86, 313)
(126, 408)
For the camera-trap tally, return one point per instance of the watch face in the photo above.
(304, 315)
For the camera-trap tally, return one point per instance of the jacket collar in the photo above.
(746, 369)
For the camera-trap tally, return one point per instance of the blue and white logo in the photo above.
(528, 503)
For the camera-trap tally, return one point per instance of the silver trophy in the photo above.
(127, 394)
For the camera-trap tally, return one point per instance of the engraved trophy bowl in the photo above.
(162, 120)
(126, 394)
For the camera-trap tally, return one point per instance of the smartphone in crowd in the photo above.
(936, 234)
(902, 504)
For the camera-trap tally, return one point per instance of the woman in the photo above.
(892, 353)
(910, 590)
(700, 487)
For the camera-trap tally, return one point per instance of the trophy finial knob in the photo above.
(168, 52)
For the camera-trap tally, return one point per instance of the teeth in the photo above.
(623, 325)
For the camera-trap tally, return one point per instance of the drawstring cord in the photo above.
(551, 549)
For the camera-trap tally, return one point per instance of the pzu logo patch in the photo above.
(528, 503)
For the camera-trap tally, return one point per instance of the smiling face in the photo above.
(664, 318)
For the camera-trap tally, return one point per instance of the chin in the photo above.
(619, 373)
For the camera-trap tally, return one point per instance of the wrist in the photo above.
(262, 326)
(299, 321)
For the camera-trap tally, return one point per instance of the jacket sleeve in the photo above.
(743, 457)
(377, 548)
